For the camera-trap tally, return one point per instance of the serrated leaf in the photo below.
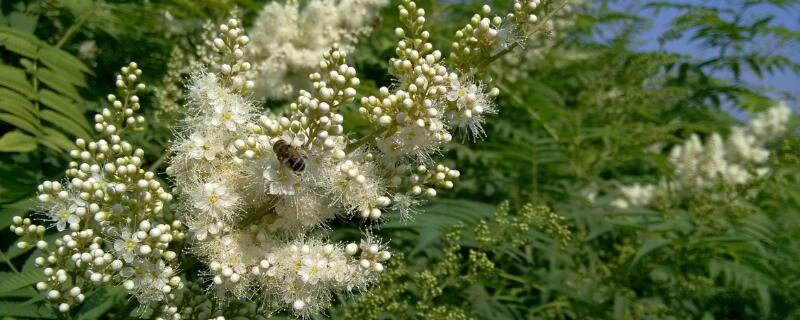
(16, 141)
(11, 95)
(15, 79)
(64, 106)
(8, 211)
(59, 59)
(21, 110)
(58, 83)
(65, 123)
(36, 310)
(99, 302)
(55, 140)
(10, 281)
(19, 123)
(18, 45)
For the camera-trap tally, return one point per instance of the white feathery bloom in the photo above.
(107, 190)
(202, 148)
(735, 160)
(746, 147)
(268, 182)
(472, 103)
(230, 113)
(637, 194)
(216, 200)
(63, 216)
(281, 180)
(127, 245)
(771, 123)
(288, 39)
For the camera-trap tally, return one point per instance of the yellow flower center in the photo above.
(213, 199)
(228, 116)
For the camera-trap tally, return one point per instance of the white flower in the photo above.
(289, 37)
(620, 203)
(281, 180)
(200, 148)
(230, 113)
(638, 195)
(771, 123)
(215, 199)
(471, 105)
(126, 245)
(62, 216)
(203, 230)
(312, 270)
(70, 214)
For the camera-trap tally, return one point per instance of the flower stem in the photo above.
(366, 139)
(513, 46)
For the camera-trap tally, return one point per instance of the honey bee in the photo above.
(290, 155)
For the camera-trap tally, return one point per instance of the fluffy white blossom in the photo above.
(288, 38)
(735, 160)
(257, 187)
(112, 210)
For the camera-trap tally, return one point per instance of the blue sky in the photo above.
(786, 82)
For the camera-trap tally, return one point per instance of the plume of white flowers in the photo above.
(520, 63)
(289, 37)
(735, 160)
(256, 187)
(248, 212)
(109, 213)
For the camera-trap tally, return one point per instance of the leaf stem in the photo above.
(8, 262)
(73, 28)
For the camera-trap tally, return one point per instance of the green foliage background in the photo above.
(518, 238)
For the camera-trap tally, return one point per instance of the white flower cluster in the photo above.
(256, 187)
(518, 64)
(253, 184)
(735, 160)
(486, 35)
(109, 212)
(288, 39)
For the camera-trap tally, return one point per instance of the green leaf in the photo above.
(17, 309)
(65, 123)
(15, 79)
(99, 302)
(19, 45)
(20, 110)
(10, 95)
(64, 106)
(14, 281)
(61, 60)
(24, 35)
(16, 141)
(649, 246)
(19, 123)
(19, 208)
(58, 83)
(55, 140)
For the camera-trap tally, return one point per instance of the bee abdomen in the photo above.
(297, 164)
